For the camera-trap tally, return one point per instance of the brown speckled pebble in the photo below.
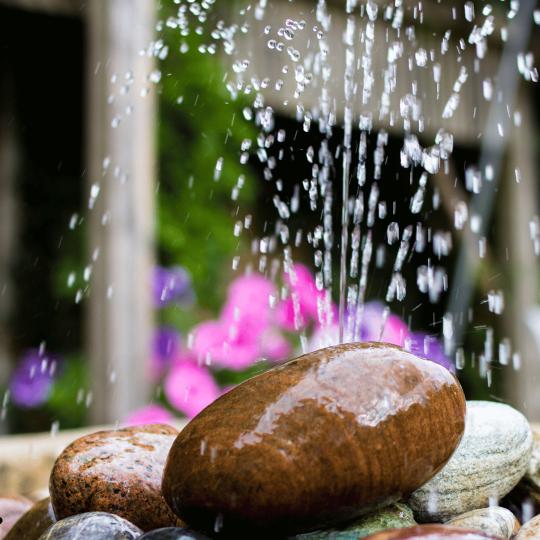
(530, 530)
(116, 471)
(11, 509)
(33, 523)
(430, 532)
(315, 442)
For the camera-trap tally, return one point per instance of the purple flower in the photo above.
(430, 348)
(166, 346)
(172, 285)
(32, 379)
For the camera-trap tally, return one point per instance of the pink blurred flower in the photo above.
(190, 387)
(236, 340)
(374, 326)
(302, 306)
(226, 345)
(274, 346)
(150, 414)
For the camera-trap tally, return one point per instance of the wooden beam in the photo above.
(121, 177)
(71, 8)
(9, 166)
(521, 314)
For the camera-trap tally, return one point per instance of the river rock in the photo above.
(430, 532)
(34, 522)
(117, 471)
(315, 442)
(174, 533)
(495, 520)
(11, 509)
(490, 460)
(390, 517)
(530, 530)
(531, 480)
(92, 526)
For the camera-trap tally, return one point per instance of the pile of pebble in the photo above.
(354, 441)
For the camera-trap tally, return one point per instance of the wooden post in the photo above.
(8, 221)
(121, 169)
(521, 313)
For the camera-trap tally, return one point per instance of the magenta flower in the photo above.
(150, 414)
(375, 325)
(32, 379)
(248, 304)
(189, 387)
(302, 306)
(237, 339)
(274, 346)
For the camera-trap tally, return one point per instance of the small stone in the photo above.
(174, 533)
(11, 509)
(521, 504)
(315, 442)
(430, 532)
(34, 522)
(118, 471)
(530, 530)
(94, 526)
(390, 517)
(495, 520)
(531, 480)
(490, 460)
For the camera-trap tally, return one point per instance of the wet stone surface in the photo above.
(11, 509)
(529, 530)
(34, 522)
(370, 422)
(92, 525)
(174, 533)
(495, 520)
(490, 460)
(431, 532)
(118, 472)
(390, 517)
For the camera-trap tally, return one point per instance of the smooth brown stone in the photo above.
(118, 472)
(34, 522)
(316, 442)
(11, 509)
(430, 532)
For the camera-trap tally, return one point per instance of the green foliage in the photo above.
(67, 400)
(199, 125)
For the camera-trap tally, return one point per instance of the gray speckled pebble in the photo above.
(92, 526)
(390, 517)
(496, 521)
(530, 530)
(532, 477)
(490, 460)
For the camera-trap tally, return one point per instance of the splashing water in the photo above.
(361, 75)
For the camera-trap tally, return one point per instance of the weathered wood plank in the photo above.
(121, 165)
